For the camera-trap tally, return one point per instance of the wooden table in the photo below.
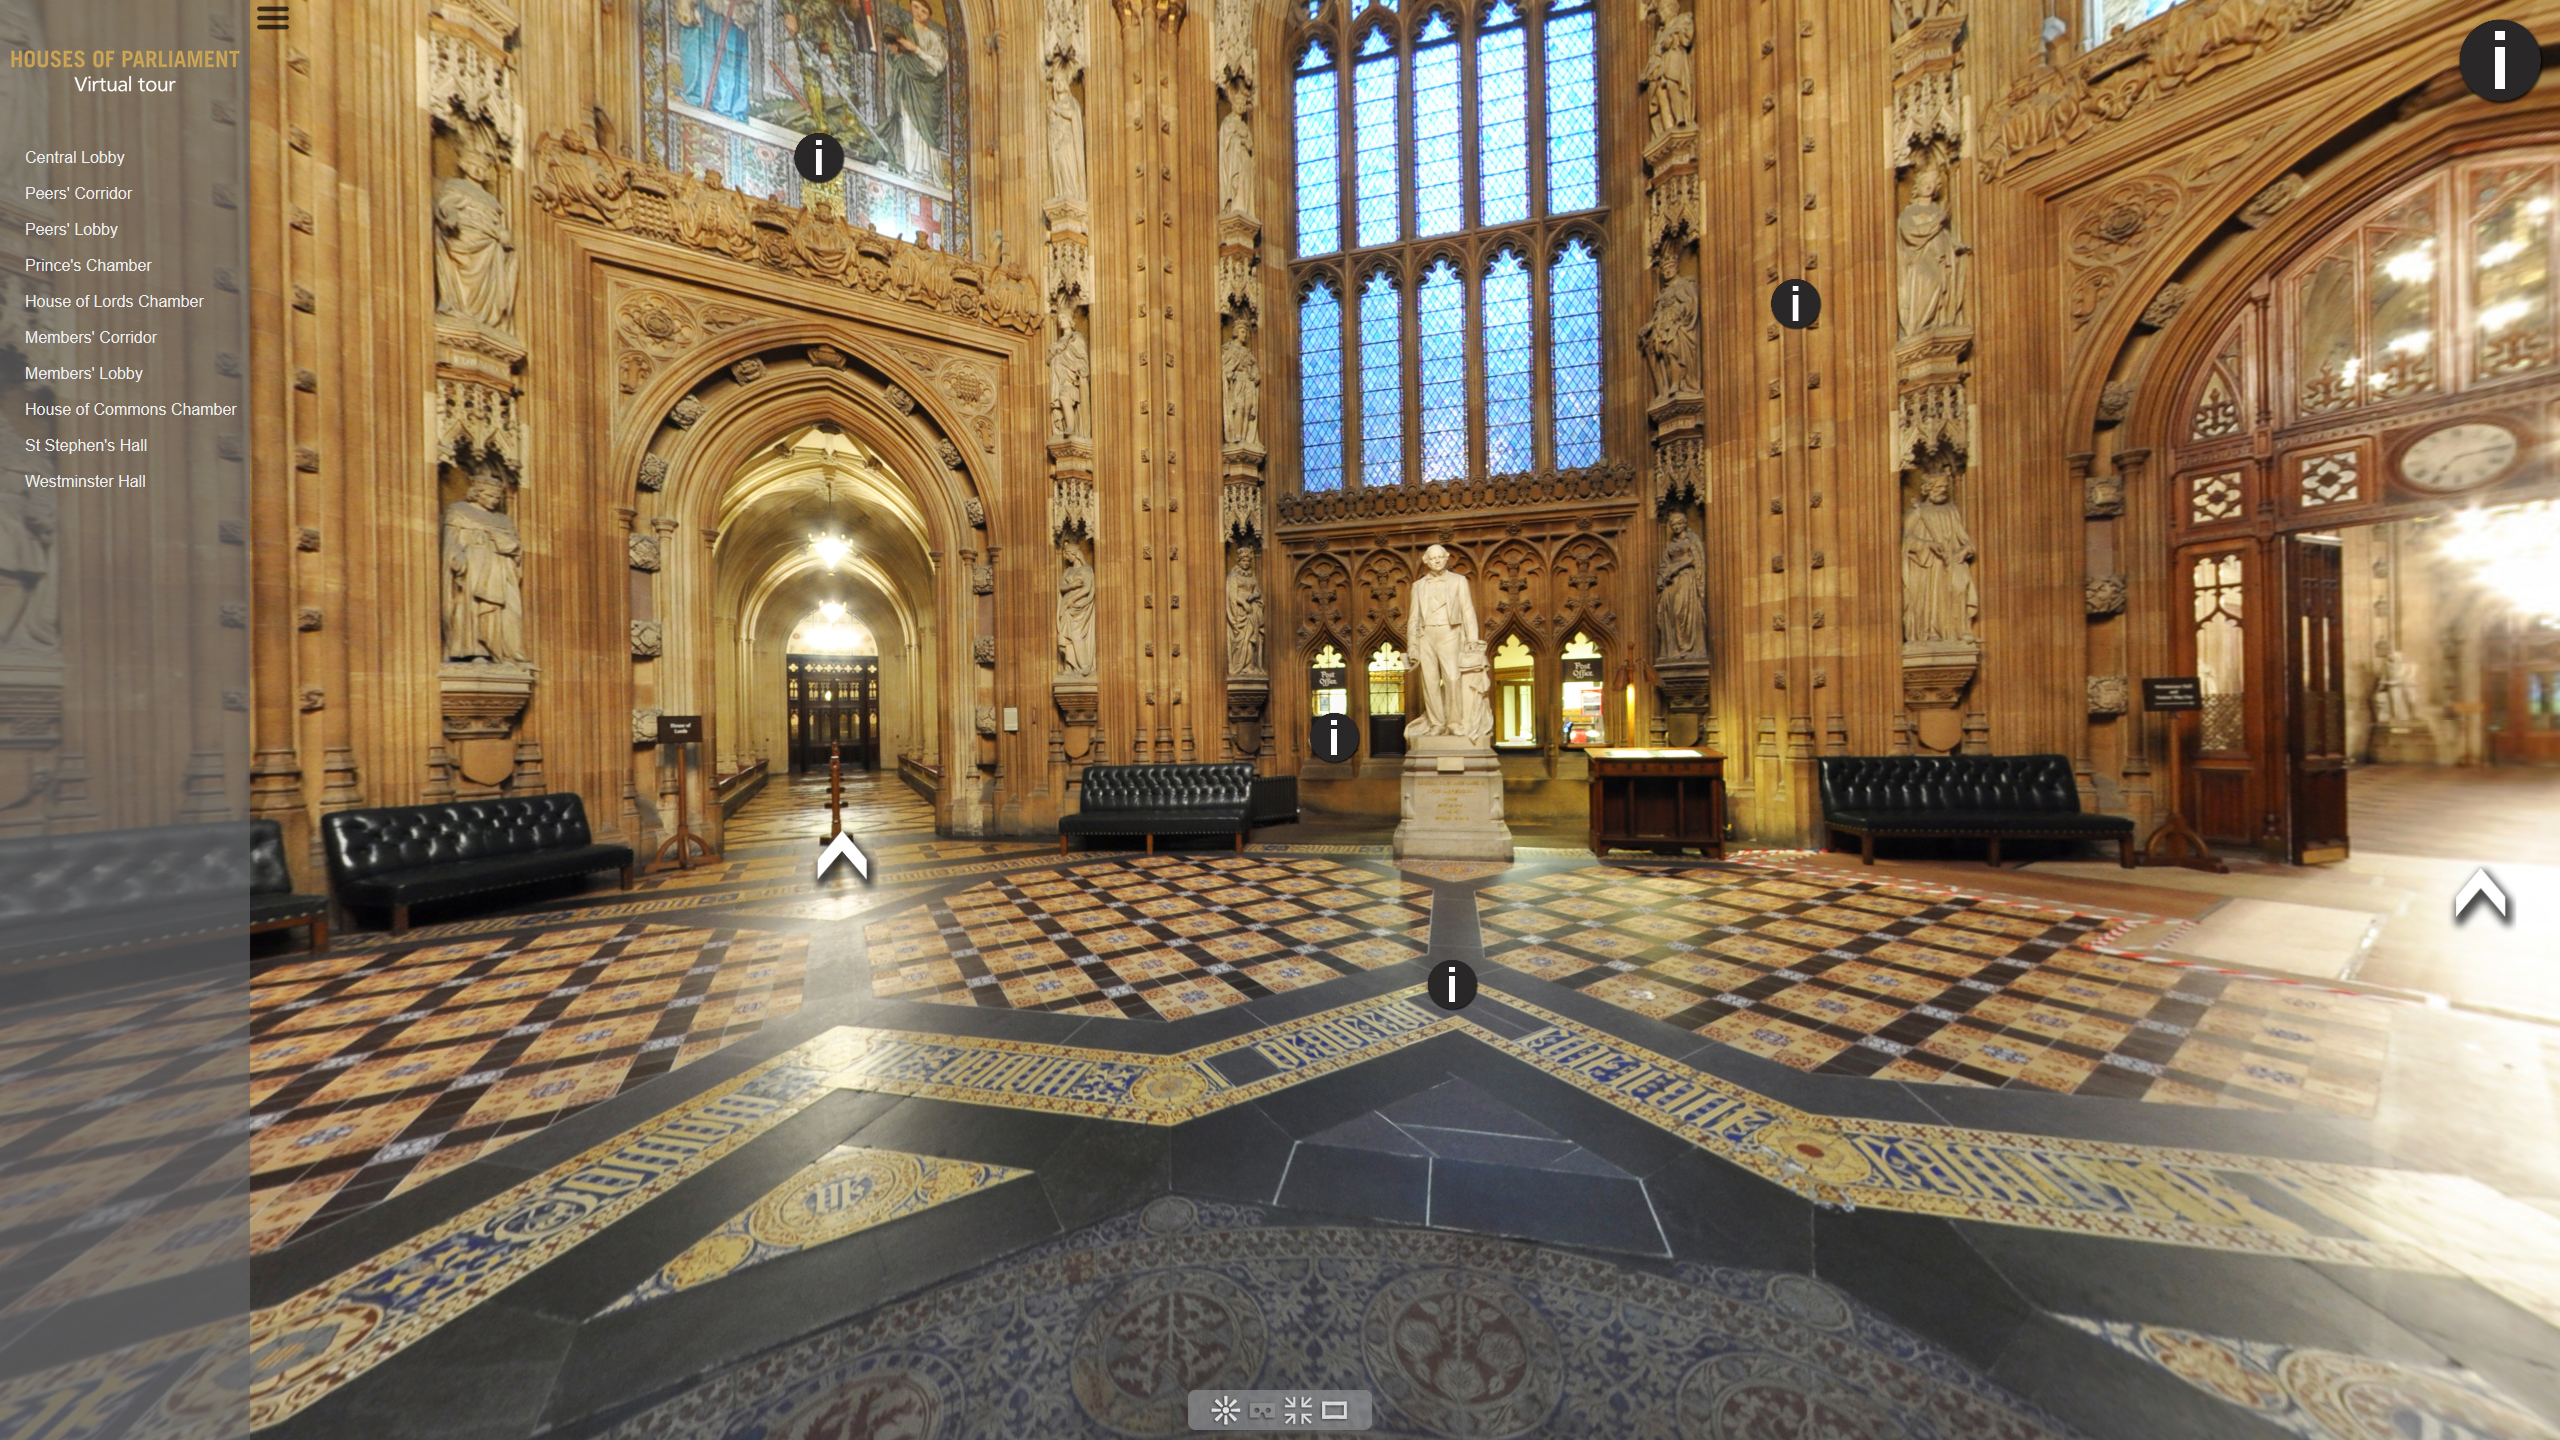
(1642, 799)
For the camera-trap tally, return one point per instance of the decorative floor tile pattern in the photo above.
(2324, 1395)
(850, 1188)
(330, 1334)
(121, 1147)
(794, 808)
(1105, 1333)
(1871, 978)
(373, 1072)
(333, 1332)
(1151, 936)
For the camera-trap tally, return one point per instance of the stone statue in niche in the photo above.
(1440, 626)
(29, 611)
(1931, 280)
(1244, 615)
(1670, 339)
(1070, 364)
(1680, 593)
(1241, 373)
(1066, 134)
(484, 576)
(1939, 601)
(1668, 105)
(1075, 610)
(475, 248)
(2395, 691)
(1235, 158)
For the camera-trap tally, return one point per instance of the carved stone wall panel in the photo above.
(2051, 109)
(575, 179)
(970, 387)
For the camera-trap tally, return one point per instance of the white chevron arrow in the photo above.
(843, 848)
(2477, 887)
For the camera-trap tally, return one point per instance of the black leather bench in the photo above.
(1153, 800)
(408, 855)
(66, 898)
(1984, 797)
(272, 903)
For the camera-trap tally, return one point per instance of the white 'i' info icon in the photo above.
(2501, 61)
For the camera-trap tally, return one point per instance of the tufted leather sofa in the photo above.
(1989, 797)
(67, 898)
(272, 903)
(411, 854)
(1153, 800)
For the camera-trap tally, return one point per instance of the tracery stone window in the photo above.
(1448, 279)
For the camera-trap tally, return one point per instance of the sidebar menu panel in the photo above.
(126, 545)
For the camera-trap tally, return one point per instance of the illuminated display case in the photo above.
(1584, 694)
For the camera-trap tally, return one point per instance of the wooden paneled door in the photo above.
(2316, 697)
(833, 700)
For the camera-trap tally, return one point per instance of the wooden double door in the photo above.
(833, 702)
(2265, 633)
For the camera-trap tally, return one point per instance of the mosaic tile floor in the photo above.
(374, 1072)
(1152, 937)
(1899, 983)
(119, 1143)
(794, 808)
(847, 1190)
(2322, 1394)
(1107, 1331)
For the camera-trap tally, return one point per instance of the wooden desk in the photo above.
(1641, 799)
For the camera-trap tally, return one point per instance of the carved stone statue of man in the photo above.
(484, 577)
(475, 248)
(1066, 134)
(2395, 691)
(1440, 622)
(1680, 593)
(1930, 283)
(1241, 373)
(1939, 601)
(1075, 610)
(29, 519)
(1667, 102)
(1069, 365)
(1670, 338)
(1244, 615)
(1235, 162)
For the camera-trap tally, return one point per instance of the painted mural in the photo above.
(732, 85)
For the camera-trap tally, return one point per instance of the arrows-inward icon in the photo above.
(843, 848)
(2479, 886)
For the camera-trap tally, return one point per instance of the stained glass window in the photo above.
(1573, 296)
(1439, 161)
(1381, 381)
(1463, 116)
(1379, 156)
(1440, 316)
(1319, 157)
(1573, 120)
(1320, 386)
(1502, 116)
(1510, 358)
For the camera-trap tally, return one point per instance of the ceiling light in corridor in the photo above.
(831, 610)
(831, 550)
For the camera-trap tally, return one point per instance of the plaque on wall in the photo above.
(2176, 692)
(679, 729)
(1582, 670)
(1328, 677)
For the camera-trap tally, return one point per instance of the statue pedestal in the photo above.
(2403, 745)
(1452, 802)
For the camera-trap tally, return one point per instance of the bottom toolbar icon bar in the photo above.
(1241, 1412)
